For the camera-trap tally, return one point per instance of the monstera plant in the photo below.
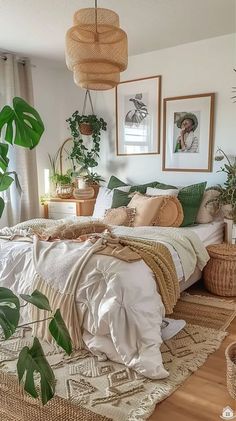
(21, 125)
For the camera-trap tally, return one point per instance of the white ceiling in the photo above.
(37, 27)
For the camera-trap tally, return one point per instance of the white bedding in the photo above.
(118, 302)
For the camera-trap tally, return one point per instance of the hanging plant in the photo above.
(79, 125)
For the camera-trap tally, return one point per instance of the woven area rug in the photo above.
(95, 390)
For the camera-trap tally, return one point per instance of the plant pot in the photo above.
(85, 129)
(227, 211)
(84, 194)
(64, 191)
(95, 188)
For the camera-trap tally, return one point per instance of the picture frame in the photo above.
(138, 116)
(188, 133)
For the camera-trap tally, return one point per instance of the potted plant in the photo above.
(84, 154)
(24, 128)
(93, 179)
(226, 200)
(64, 186)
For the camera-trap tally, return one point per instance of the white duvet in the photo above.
(118, 302)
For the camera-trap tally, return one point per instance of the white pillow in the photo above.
(104, 200)
(151, 191)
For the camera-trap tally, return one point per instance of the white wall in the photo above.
(53, 87)
(204, 66)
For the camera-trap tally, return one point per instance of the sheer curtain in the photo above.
(16, 80)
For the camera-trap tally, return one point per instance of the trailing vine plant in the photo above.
(86, 158)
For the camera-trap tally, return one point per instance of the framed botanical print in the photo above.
(138, 104)
(188, 133)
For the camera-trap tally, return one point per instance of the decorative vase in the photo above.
(227, 211)
(81, 183)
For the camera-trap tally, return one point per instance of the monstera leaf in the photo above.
(37, 299)
(2, 205)
(60, 332)
(9, 311)
(24, 126)
(32, 361)
(4, 160)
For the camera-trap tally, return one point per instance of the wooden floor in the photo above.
(203, 396)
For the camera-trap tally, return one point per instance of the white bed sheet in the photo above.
(212, 233)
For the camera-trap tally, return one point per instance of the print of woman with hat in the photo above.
(187, 141)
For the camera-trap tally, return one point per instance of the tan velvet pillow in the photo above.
(146, 209)
(120, 216)
(207, 213)
(170, 213)
(71, 230)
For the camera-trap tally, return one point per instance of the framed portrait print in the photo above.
(188, 133)
(138, 104)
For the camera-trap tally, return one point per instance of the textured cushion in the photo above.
(120, 198)
(170, 213)
(207, 213)
(104, 201)
(120, 216)
(190, 198)
(115, 182)
(152, 191)
(146, 209)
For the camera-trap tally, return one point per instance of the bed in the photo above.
(120, 308)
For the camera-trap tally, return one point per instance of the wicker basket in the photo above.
(220, 272)
(64, 191)
(230, 354)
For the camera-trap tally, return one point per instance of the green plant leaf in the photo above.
(2, 206)
(9, 311)
(37, 299)
(5, 181)
(4, 160)
(60, 332)
(32, 360)
(24, 126)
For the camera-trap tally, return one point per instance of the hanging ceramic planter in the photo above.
(85, 128)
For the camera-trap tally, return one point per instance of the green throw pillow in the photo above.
(114, 182)
(190, 198)
(141, 188)
(120, 198)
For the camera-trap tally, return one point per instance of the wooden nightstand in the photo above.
(56, 208)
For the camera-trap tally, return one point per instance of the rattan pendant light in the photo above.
(96, 48)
